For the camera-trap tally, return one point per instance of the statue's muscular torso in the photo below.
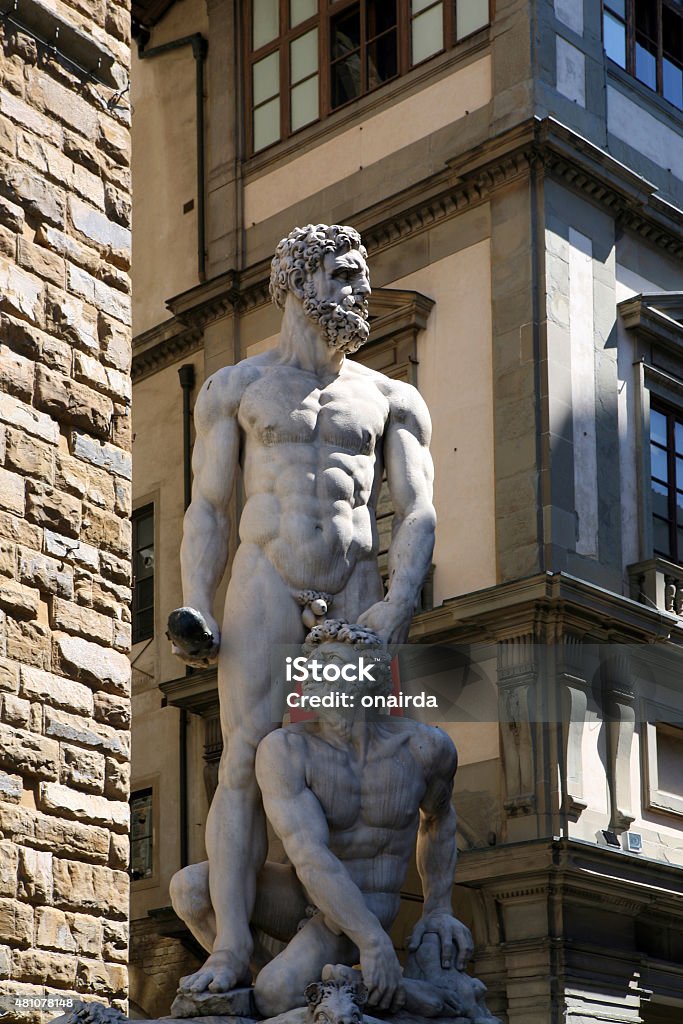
(373, 817)
(311, 456)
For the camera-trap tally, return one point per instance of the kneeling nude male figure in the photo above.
(348, 795)
(313, 433)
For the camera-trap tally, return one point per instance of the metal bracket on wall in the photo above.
(82, 54)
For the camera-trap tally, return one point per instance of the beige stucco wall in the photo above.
(164, 167)
(455, 350)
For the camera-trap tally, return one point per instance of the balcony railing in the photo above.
(658, 583)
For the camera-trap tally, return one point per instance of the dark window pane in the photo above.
(141, 834)
(660, 500)
(679, 438)
(679, 473)
(679, 542)
(646, 62)
(659, 463)
(672, 83)
(658, 427)
(144, 592)
(382, 60)
(679, 513)
(345, 80)
(618, 6)
(646, 17)
(615, 40)
(143, 625)
(143, 574)
(345, 33)
(145, 530)
(661, 540)
(381, 15)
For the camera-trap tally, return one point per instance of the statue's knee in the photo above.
(189, 891)
(274, 992)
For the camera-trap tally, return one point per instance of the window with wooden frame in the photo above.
(142, 610)
(645, 37)
(666, 482)
(307, 58)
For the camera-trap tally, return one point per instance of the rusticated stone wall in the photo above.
(65, 472)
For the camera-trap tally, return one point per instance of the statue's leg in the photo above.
(281, 902)
(260, 612)
(280, 985)
(189, 891)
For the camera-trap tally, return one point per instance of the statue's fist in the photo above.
(195, 636)
(382, 975)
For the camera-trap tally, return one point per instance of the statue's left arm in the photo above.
(410, 475)
(437, 853)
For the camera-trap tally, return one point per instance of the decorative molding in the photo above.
(574, 689)
(619, 707)
(467, 181)
(517, 671)
(163, 345)
(656, 318)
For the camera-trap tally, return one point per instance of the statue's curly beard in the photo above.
(344, 325)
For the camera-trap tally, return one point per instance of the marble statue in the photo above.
(350, 795)
(313, 433)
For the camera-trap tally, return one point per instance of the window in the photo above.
(646, 38)
(141, 834)
(143, 573)
(666, 482)
(308, 58)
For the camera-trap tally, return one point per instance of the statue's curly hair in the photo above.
(300, 254)
(342, 632)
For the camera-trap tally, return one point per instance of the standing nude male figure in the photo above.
(313, 433)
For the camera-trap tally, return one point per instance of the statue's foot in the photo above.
(222, 972)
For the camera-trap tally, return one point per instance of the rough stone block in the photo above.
(35, 875)
(28, 642)
(41, 200)
(86, 622)
(119, 854)
(96, 227)
(53, 509)
(11, 215)
(28, 117)
(94, 665)
(105, 378)
(48, 574)
(115, 569)
(84, 887)
(16, 711)
(41, 262)
(28, 754)
(100, 978)
(16, 922)
(9, 676)
(71, 475)
(11, 788)
(106, 456)
(71, 319)
(83, 769)
(12, 492)
(64, 726)
(16, 373)
(90, 807)
(65, 105)
(52, 689)
(21, 294)
(113, 710)
(105, 530)
(72, 933)
(114, 140)
(9, 863)
(101, 488)
(21, 602)
(117, 779)
(50, 161)
(19, 531)
(70, 838)
(36, 965)
(72, 550)
(30, 456)
(70, 248)
(8, 558)
(98, 294)
(89, 186)
(237, 1003)
(122, 635)
(24, 417)
(71, 402)
(115, 940)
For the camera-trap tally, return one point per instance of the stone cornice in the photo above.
(540, 146)
(548, 604)
(163, 345)
(657, 318)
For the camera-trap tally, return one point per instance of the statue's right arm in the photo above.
(298, 819)
(206, 527)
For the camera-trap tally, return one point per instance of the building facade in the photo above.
(515, 171)
(65, 501)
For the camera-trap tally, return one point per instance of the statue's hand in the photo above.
(389, 620)
(452, 933)
(382, 974)
(195, 636)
